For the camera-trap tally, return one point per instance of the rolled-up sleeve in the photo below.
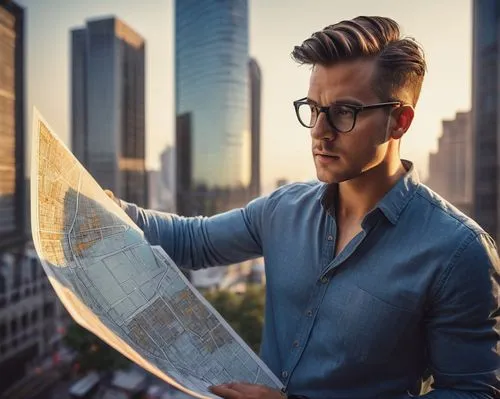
(199, 242)
(463, 324)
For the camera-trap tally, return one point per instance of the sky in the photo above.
(442, 27)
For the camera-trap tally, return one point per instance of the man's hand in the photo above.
(110, 194)
(246, 391)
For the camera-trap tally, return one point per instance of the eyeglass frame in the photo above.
(354, 107)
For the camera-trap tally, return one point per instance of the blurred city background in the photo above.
(186, 106)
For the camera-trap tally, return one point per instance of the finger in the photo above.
(110, 194)
(248, 390)
(224, 391)
(242, 387)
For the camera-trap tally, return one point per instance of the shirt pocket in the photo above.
(369, 330)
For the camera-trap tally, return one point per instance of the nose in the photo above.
(322, 129)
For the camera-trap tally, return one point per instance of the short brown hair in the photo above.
(400, 61)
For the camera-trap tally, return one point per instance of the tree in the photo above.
(251, 314)
(93, 353)
(244, 312)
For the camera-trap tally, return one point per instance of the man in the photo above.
(373, 280)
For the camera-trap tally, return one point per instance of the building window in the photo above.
(15, 297)
(48, 310)
(34, 269)
(2, 284)
(3, 299)
(3, 331)
(24, 321)
(13, 327)
(16, 282)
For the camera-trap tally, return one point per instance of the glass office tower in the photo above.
(212, 96)
(108, 105)
(12, 203)
(485, 114)
(212, 105)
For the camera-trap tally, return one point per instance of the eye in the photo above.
(341, 111)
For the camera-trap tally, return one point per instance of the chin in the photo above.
(330, 177)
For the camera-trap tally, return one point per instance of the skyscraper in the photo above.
(167, 180)
(183, 159)
(167, 158)
(108, 109)
(213, 139)
(212, 105)
(12, 199)
(162, 183)
(450, 173)
(32, 319)
(485, 116)
(255, 109)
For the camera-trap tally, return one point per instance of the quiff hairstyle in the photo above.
(400, 61)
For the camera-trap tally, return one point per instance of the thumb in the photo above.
(110, 194)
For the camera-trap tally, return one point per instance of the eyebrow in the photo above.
(344, 100)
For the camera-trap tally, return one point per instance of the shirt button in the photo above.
(295, 344)
(309, 313)
(330, 238)
(284, 374)
(324, 280)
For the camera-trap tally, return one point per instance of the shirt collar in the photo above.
(394, 201)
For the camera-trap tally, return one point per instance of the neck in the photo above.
(358, 196)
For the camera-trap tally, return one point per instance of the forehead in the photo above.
(351, 79)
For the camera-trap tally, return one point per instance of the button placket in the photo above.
(300, 343)
(304, 333)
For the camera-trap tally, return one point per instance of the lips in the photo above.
(326, 159)
(324, 155)
(328, 155)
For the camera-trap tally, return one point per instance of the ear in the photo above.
(404, 119)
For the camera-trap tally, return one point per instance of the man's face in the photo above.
(343, 156)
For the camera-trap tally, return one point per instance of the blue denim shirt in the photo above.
(415, 291)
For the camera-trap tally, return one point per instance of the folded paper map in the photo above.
(119, 287)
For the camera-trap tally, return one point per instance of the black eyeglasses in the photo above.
(341, 117)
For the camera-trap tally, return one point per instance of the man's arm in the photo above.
(462, 324)
(198, 242)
